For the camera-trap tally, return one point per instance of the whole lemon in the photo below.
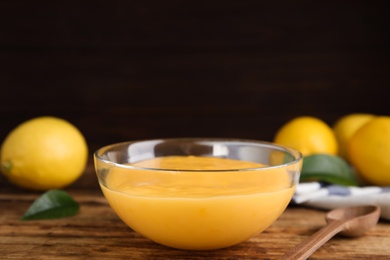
(369, 151)
(309, 135)
(44, 153)
(345, 127)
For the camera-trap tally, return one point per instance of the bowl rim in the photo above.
(294, 152)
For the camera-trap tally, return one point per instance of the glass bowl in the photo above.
(198, 194)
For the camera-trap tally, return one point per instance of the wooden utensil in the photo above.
(349, 221)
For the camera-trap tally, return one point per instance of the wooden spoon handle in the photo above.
(311, 244)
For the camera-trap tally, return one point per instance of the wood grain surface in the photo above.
(97, 233)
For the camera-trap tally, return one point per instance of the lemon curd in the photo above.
(198, 203)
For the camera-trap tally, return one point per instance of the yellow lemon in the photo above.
(309, 135)
(369, 151)
(345, 128)
(44, 153)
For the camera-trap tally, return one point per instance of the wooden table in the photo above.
(97, 233)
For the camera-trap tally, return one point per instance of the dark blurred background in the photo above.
(125, 70)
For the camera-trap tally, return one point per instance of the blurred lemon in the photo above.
(345, 128)
(309, 135)
(44, 153)
(369, 151)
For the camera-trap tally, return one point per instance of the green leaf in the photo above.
(50, 205)
(328, 168)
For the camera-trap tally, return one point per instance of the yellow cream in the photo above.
(198, 210)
